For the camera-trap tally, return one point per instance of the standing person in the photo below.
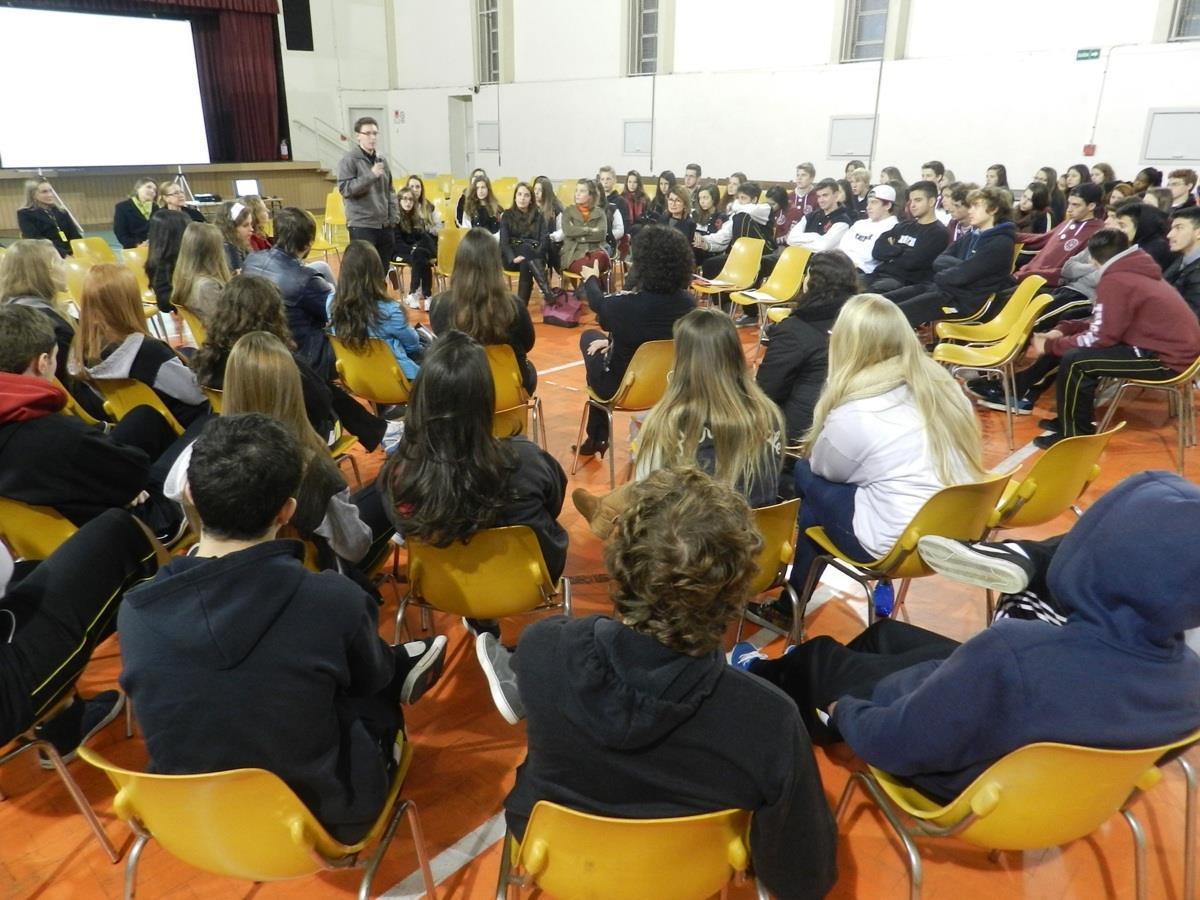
(906, 252)
(131, 217)
(201, 272)
(42, 217)
(172, 197)
(523, 244)
(365, 183)
(166, 237)
(416, 244)
(236, 224)
(804, 197)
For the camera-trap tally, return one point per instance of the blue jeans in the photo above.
(829, 504)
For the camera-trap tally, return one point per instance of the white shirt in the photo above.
(814, 240)
(759, 212)
(859, 241)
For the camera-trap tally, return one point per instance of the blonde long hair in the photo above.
(711, 389)
(872, 350)
(201, 255)
(110, 310)
(31, 268)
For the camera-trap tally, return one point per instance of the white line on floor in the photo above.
(460, 854)
(571, 365)
(1016, 458)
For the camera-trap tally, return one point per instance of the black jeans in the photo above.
(145, 428)
(595, 365)
(419, 257)
(62, 610)
(382, 239)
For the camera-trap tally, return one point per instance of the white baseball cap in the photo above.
(883, 192)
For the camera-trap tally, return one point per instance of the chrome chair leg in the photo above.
(1139, 853)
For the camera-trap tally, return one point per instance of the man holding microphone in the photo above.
(365, 183)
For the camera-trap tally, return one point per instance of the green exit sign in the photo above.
(1091, 53)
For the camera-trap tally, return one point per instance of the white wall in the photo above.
(977, 84)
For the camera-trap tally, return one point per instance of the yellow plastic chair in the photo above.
(199, 333)
(643, 385)
(1181, 399)
(447, 249)
(320, 244)
(497, 572)
(999, 359)
(980, 314)
(445, 210)
(566, 192)
(777, 525)
(73, 408)
(135, 261)
(998, 328)
(94, 248)
(372, 374)
(121, 395)
(1038, 796)
(335, 218)
(77, 269)
(340, 449)
(961, 511)
(248, 824)
(32, 532)
(782, 285)
(503, 189)
(577, 856)
(777, 314)
(216, 398)
(513, 404)
(739, 272)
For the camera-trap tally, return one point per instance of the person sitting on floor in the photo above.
(938, 713)
(638, 716)
(240, 642)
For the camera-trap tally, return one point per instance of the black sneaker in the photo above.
(429, 658)
(476, 627)
(1054, 424)
(78, 723)
(1046, 441)
(998, 566)
(986, 391)
(778, 612)
(746, 321)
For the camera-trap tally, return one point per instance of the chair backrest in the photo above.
(512, 403)
(1017, 248)
(777, 525)
(77, 269)
(447, 248)
(95, 248)
(788, 275)
(645, 380)
(1005, 320)
(73, 408)
(498, 572)
(1055, 481)
(961, 511)
(216, 399)
(566, 192)
(445, 209)
(503, 189)
(121, 395)
(372, 373)
(335, 210)
(1003, 350)
(32, 532)
(1042, 795)
(194, 324)
(134, 259)
(742, 265)
(572, 855)
(243, 823)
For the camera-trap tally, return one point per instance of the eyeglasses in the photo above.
(369, 133)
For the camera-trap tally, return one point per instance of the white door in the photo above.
(462, 135)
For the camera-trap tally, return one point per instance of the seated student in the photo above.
(708, 218)
(165, 240)
(664, 272)
(747, 217)
(361, 309)
(261, 216)
(1076, 175)
(32, 274)
(1147, 179)
(732, 183)
(858, 242)
(48, 459)
(583, 229)
(792, 372)
(823, 227)
(637, 716)
(1182, 184)
(462, 198)
(1121, 191)
(240, 640)
(524, 243)
(1048, 176)
(236, 222)
(906, 252)
(1184, 273)
(415, 244)
(52, 617)
(935, 171)
(304, 291)
(860, 186)
(784, 217)
(113, 343)
(938, 713)
(1146, 228)
(712, 415)
(480, 304)
(658, 203)
(450, 477)
(1058, 245)
(131, 217)
(201, 271)
(691, 179)
(637, 203)
(971, 269)
(172, 198)
(1141, 328)
(804, 196)
(616, 209)
(42, 217)
(1032, 215)
(678, 214)
(481, 209)
(549, 207)
(890, 430)
(954, 199)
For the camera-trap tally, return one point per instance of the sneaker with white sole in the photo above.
(496, 662)
(999, 567)
(429, 657)
(77, 724)
(743, 654)
(412, 301)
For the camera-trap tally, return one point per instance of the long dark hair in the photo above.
(640, 193)
(360, 287)
(165, 237)
(550, 206)
(522, 223)
(248, 303)
(832, 280)
(659, 203)
(449, 477)
(482, 305)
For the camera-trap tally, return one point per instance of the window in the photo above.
(643, 37)
(488, 16)
(1186, 26)
(866, 25)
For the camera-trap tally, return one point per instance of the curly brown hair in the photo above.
(248, 303)
(681, 557)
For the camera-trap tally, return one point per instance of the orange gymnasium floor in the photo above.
(466, 754)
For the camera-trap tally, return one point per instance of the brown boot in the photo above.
(586, 503)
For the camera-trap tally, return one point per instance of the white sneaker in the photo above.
(412, 301)
(393, 436)
(428, 658)
(502, 680)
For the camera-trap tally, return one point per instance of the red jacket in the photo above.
(1055, 247)
(803, 204)
(1136, 308)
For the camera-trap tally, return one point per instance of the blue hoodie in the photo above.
(1117, 674)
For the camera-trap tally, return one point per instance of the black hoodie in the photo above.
(250, 660)
(619, 725)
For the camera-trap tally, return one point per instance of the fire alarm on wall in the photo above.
(1089, 149)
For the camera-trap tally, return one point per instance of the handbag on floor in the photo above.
(562, 309)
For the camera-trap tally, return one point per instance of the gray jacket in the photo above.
(370, 199)
(1080, 275)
